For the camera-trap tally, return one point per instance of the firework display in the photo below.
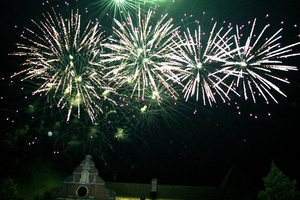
(146, 64)
(177, 90)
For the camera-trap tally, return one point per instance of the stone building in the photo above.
(85, 183)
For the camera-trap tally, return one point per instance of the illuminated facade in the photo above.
(85, 183)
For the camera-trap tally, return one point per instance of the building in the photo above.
(235, 186)
(85, 183)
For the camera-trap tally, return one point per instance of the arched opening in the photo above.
(82, 191)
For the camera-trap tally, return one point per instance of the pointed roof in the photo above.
(85, 183)
(238, 185)
(86, 165)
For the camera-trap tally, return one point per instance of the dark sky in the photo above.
(219, 137)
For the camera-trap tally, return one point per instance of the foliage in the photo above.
(277, 186)
(48, 195)
(8, 190)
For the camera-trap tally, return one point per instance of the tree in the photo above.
(8, 190)
(277, 186)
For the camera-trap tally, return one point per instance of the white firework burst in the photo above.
(194, 51)
(138, 55)
(253, 61)
(64, 60)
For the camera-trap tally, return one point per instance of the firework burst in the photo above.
(116, 8)
(252, 62)
(194, 52)
(119, 9)
(137, 55)
(64, 60)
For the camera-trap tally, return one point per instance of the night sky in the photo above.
(192, 149)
